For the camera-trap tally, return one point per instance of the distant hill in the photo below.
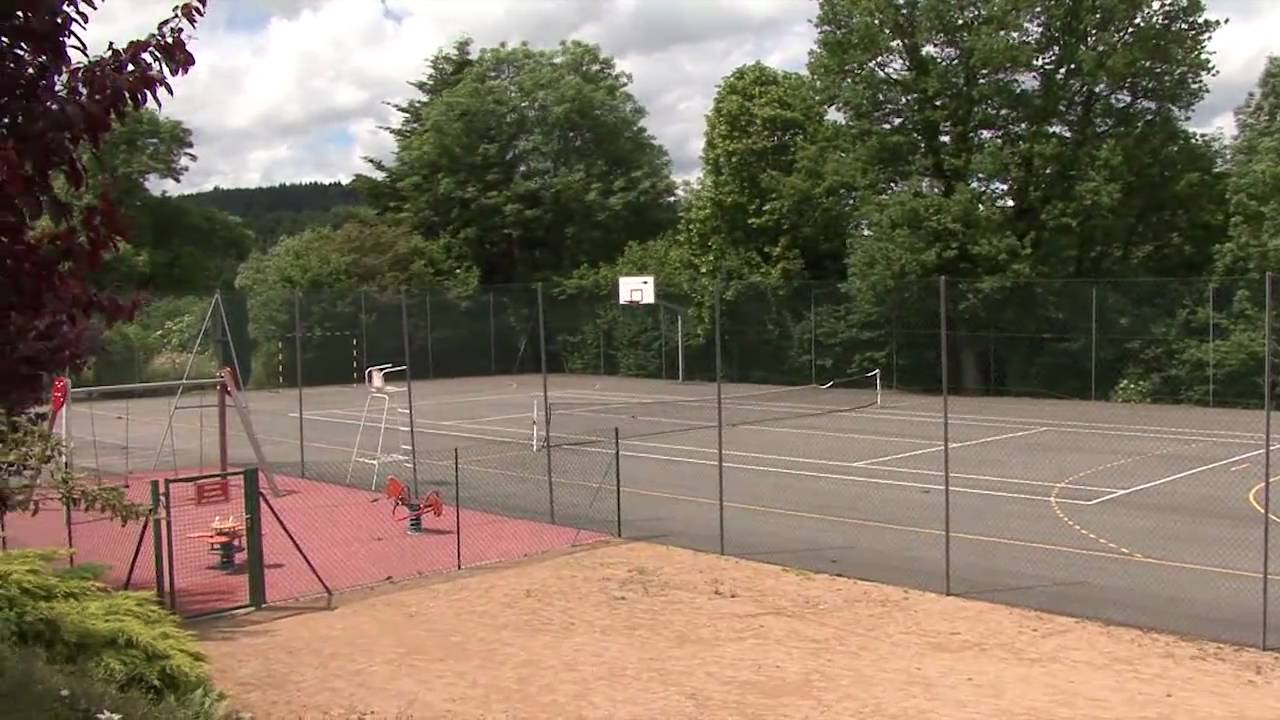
(278, 210)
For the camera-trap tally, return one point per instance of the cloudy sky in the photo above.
(294, 90)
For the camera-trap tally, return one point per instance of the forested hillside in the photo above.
(271, 212)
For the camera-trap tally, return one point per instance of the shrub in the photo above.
(32, 687)
(125, 640)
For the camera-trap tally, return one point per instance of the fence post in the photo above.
(159, 517)
(1267, 391)
(1093, 342)
(662, 337)
(408, 383)
(364, 336)
(813, 339)
(66, 520)
(1211, 338)
(493, 351)
(297, 371)
(431, 362)
(719, 424)
(253, 539)
(457, 510)
(546, 405)
(617, 480)
(168, 550)
(946, 444)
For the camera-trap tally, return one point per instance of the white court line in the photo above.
(805, 460)
(695, 425)
(1176, 476)
(838, 463)
(992, 478)
(904, 528)
(952, 446)
(739, 466)
(1015, 422)
(1074, 425)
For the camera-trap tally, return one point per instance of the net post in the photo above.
(719, 422)
(1266, 458)
(493, 353)
(946, 444)
(546, 410)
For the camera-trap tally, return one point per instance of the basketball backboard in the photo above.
(636, 290)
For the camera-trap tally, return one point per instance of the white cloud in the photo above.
(276, 81)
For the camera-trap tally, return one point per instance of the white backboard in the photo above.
(636, 289)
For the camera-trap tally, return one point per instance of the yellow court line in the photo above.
(1253, 498)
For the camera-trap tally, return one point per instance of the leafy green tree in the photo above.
(331, 266)
(534, 161)
(1017, 138)
(1254, 243)
(753, 196)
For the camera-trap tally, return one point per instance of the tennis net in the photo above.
(575, 422)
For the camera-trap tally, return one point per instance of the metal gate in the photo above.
(207, 536)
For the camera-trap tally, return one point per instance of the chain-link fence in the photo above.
(1099, 448)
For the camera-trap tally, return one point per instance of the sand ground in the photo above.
(632, 630)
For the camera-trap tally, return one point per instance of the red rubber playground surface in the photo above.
(348, 534)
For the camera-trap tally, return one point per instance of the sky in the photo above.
(299, 90)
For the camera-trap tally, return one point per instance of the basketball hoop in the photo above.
(636, 290)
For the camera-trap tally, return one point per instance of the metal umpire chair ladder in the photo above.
(375, 379)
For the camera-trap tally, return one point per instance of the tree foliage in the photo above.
(1021, 137)
(1254, 244)
(535, 161)
(754, 195)
(51, 106)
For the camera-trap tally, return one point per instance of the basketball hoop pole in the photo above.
(640, 290)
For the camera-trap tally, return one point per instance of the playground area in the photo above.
(626, 630)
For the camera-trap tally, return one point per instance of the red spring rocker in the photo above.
(415, 508)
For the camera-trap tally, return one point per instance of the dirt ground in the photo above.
(626, 630)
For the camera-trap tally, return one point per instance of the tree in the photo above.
(1016, 138)
(534, 161)
(51, 106)
(1254, 243)
(754, 195)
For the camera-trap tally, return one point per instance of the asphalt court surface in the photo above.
(1139, 514)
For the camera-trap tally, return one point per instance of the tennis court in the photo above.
(1140, 514)
(1144, 515)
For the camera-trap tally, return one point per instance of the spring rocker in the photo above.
(415, 508)
(225, 538)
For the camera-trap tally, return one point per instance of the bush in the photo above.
(124, 640)
(32, 687)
